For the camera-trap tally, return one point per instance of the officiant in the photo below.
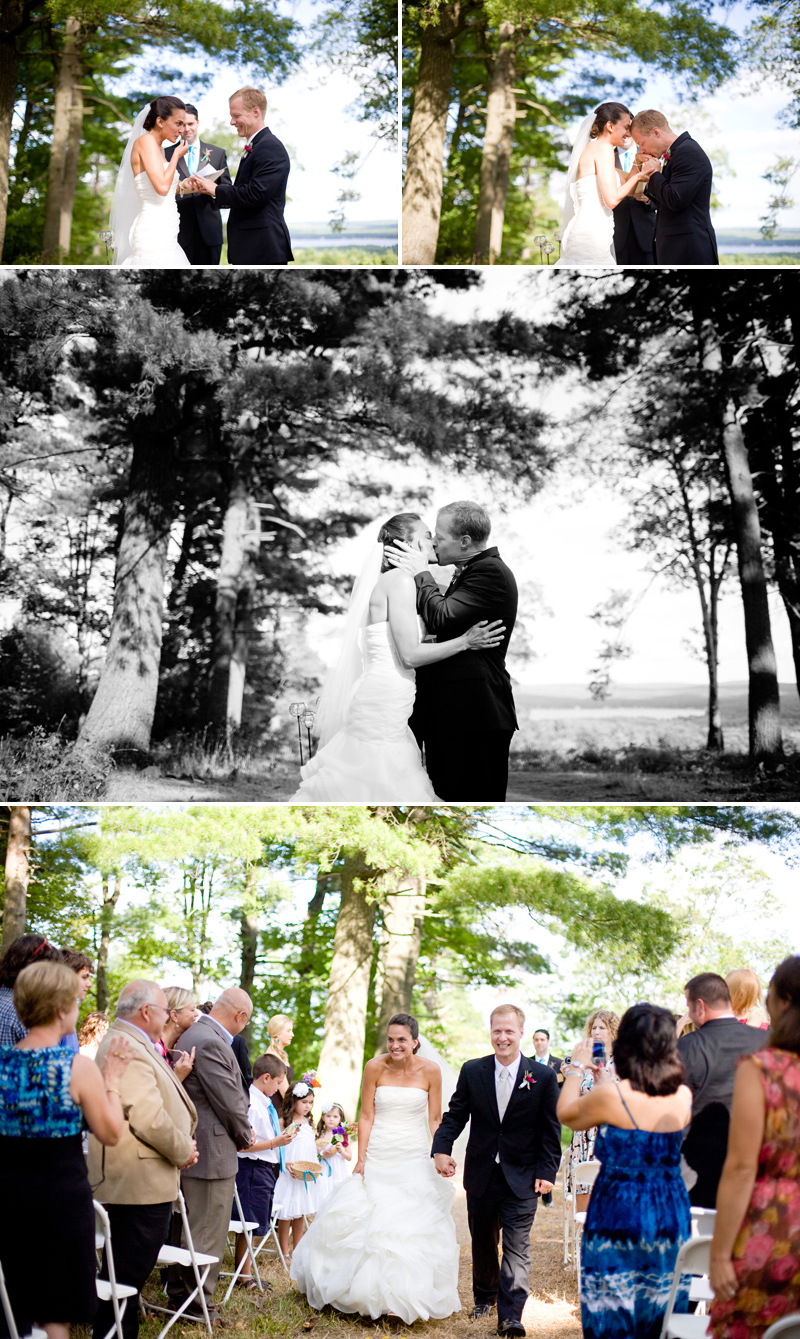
(200, 232)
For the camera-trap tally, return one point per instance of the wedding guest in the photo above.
(333, 1149)
(138, 1181)
(46, 1093)
(242, 1057)
(91, 1032)
(755, 1252)
(83, 967)
(745, 991)
(260, 1163)
(541, 1049)
(639, 1215)
(601, 1025)
(200, 228)
(709, 1056)
(183, 1011)
(295, 1196)
(281, 1032)
(215, 1087)
(20, 953)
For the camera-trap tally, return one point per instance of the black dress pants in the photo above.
(469, 766)
(138, 1231)
(506, 1281)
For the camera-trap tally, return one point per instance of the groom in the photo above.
(464, 709)
(513, 1154)
(257, 232)
(681, 189)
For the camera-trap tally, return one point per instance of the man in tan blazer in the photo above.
(138, 1180)
(223, 1127)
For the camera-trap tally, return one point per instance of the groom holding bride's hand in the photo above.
(464, 709)
(681, 189)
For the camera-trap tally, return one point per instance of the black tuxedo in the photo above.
(472, 689)
(257, 232)
(684, 235)
(503, 1194)
(634, 225)
(555, 1062)
(200, 230)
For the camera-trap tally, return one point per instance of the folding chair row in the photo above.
(9, 1314)
(241, 1227)
(585, 1174)
(187, 1257)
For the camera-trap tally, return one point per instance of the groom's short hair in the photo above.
(467, 518)
(507, 1009)
(647, 122)
(192, 111)
(251, 98)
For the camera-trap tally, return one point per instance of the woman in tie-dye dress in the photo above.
(755, 1254)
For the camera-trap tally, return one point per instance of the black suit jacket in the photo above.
(475, 684)
(528, 1139)
(684, 235)
(199, 214)
(634, 226)
(555, 1062)
(257, 232)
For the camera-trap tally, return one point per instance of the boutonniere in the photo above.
(527, 1080)
(206, 157)
(247, 148)
(666, 155)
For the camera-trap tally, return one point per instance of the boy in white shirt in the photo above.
(260, 1163)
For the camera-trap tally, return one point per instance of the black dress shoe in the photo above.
(511, 1327)
(480, 1309)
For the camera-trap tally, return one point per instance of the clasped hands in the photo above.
(197, 185)
(646, 164)
(445, 1165)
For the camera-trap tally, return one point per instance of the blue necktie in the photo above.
(191, 158)
(273, 1115)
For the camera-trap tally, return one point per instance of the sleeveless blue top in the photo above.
(35, 1101)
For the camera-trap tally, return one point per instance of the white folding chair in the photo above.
(787, 1328)
(703, 1221)
(186, 1256)
(585, 1174)
(241, 1227)
(566, 1204)
(108, 1290)
(9, 1314)
(693, 1258)
(272, 1233)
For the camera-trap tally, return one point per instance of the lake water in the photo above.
(300, 240)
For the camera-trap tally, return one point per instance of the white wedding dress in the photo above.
(589, 235)
(386, 1242)
(374, 757)
(154, 234)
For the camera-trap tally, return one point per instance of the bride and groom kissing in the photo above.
(671, 175)
(420, 669)
(147, 228)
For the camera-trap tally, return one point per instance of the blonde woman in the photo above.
(745, 989)
(183, 1011)
(281, 1032)
(601, 1025)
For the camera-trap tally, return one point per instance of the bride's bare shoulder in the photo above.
(395, 579)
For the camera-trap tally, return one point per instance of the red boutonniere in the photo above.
(247, 148)
(527, 1080)
(666, 155)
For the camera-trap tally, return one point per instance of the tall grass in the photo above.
(43, 767)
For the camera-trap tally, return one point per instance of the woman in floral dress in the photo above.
(755, 1254)
(601, 1025)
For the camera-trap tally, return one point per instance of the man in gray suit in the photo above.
(223, 1127)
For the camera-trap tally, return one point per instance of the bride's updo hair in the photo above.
(407, 1020)
(607, 111)
(163, 107)
(397, 527)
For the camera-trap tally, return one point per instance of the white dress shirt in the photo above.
(505, 1074)
(264, 1120)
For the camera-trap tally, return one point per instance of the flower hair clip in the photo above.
(329, 1104)
(301, 1090)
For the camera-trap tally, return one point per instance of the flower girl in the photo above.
(295, 1194)
(333, 1146)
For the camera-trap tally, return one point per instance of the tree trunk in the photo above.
(402, 923)
(764, 697)
(422, 194)
(67, 85)
(303, 1022)
(18, 853)
(708, 610)
(121, 714)
(498, 141)
(70, 185)
(111, 892)
(342, 1056)
(13, 21)
(229, 656)
(249, 937)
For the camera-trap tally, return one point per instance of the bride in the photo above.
(384, 1242)
(144, 215)
(595, 187)
(366, 749)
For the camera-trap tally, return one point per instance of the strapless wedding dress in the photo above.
(374, 757)
(589, 235)
(386, 1242)
(154, 234)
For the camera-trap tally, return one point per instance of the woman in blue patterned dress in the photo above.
(639, 1214)
(46, 1092)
